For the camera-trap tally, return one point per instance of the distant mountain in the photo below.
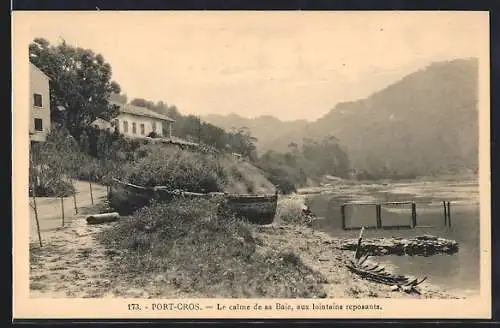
(265, 128)
(425, 123)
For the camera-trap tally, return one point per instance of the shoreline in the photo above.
(321, 252)
(74, 264)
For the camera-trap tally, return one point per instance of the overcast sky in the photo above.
(291, 65)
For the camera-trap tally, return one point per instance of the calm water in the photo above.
(459, 271)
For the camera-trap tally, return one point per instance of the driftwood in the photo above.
(103, 218)
(376, 273)
(422, 245)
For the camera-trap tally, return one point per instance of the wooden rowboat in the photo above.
(127, 197)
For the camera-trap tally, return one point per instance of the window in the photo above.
(117, 125)
(154, 126)
(38, 124)
(134, 128)
(37, 100)
(125, 126)
(143, 131)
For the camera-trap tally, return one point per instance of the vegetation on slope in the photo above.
(230, 262)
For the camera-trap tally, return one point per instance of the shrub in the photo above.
(47, 183)
(200, 251)
(290, 210)
(174, 168)
(89, 170)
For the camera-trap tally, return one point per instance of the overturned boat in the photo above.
(259, 209)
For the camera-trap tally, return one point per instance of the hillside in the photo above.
(425, 123)
(241, 177)
(265, 128)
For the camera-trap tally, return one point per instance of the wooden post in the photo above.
(378, 210)
(449, 215)
(357, 255)
(36, 218)
(91, 195)
(445, 214)
(62, 210)
(413, 215)
(74, 196)
(342, 212)
(33, 188)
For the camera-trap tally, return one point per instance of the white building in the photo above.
(39, 125)
(139, 122)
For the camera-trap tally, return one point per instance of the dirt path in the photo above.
(72, 262)
(49, 208)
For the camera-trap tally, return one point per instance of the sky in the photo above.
(292, 65)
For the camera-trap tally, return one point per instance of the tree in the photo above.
(121, 98)
(241, 141)
(173, 112)
(80, 82)
(141, 102)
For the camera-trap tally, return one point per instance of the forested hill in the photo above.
(264, 128)
(425, 123)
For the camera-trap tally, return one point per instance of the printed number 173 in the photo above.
(134, 307)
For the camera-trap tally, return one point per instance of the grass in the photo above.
(188, 246)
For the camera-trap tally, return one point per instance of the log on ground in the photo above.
(103, 218)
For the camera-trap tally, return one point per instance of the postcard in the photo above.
(241, 164)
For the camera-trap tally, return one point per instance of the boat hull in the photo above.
(258, 209)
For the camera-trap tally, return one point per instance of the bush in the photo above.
(199, 251)
(48, 184)
(281, 180)
(176, 169)
(89, 170)
(290, 210)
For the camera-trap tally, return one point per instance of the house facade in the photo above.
(39, 125)
(140, 122)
